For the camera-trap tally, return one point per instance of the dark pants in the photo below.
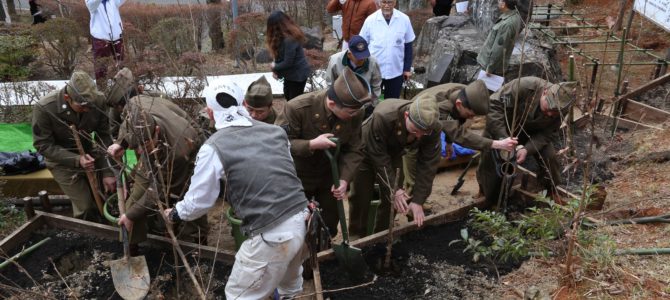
(391, 87)
(102, 49)
(442, 7)
(293, 89)
(490, 183)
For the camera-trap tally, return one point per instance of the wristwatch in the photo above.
(174, 216)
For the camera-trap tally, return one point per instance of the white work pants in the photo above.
(270, 260)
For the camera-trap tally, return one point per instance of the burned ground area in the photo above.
(74, 266)
(424, 266)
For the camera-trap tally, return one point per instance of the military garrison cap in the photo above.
(350, 90)
(477, 97)
(259, 93)
(561, 95)
(423, 112)
(82, 89)
(123, 84)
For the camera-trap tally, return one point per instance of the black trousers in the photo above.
(391, 87)
(293, 89)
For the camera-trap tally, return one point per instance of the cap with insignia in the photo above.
(350, 90)
(424, 114)
(259, 93)
(358, 46)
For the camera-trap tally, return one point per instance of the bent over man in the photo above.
(259, 180)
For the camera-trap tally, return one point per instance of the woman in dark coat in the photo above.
(284, 39)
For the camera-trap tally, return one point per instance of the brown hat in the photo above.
(477, 97)
(561, 95)
(259, 93)
(82, 89)
(123, 84)
(423, 112)
(350, 90)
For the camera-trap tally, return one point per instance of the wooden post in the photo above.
(664, 66)
(28, 207)
(619, 18)
(44, 198)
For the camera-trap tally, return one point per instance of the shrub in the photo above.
(16, 52)
(173, 36)
(61, 43)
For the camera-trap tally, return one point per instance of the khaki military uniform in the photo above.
(535, 131)
(52, 137)
(306, 117)
(386, 140)
(452, 126)
(115, 116)
(497, 49)
(178, 144)
(272, 117)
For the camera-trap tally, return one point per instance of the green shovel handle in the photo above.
(336, 182)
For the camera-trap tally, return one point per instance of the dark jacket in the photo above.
(291, 63)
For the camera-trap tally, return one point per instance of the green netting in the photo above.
(18, 137)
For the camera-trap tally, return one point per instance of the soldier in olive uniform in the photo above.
(311, 119)
(457, 103)
(80, 104)
(497, 49)
(537, 108)
(157, 129)
(258, 101)
(395, 126)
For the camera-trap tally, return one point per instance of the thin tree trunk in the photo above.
(5, 9)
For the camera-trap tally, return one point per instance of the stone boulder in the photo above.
(314, 38)
(448, 46)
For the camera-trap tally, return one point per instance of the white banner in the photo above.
(658, 11)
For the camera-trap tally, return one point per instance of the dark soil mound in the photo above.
(80, 260)
(425, 267)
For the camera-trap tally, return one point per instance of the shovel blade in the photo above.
(130, 277)
(351, 258)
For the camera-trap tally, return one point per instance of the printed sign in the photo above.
(658, 11)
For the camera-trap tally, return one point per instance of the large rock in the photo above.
(458, 38)
(485, 12)
(314, 38)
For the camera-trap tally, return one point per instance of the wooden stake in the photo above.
(92, 180)
(389, 245)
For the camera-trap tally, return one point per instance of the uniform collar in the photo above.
(380, 15)
(63, 106)
(508, 14)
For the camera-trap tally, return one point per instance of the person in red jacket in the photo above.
(354, 13)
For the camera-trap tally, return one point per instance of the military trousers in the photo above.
(362, 193)
(490, 182)
(75, 185)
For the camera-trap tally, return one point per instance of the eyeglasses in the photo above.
(387, 2)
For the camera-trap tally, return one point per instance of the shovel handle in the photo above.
(332, 156)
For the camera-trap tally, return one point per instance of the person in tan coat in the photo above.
(310, 120)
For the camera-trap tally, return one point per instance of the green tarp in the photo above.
(18, 137)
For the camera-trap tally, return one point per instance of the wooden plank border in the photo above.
(21, 234)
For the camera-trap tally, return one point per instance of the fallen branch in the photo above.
(340, 289)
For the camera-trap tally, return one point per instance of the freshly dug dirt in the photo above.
(424, 267)
(81, 262)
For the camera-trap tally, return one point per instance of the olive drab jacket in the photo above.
(542, 130)
(272, 116)
(53, 138)
(306, 117)
(497, 49)
(386, 139)
(178, 143)
(450, 119)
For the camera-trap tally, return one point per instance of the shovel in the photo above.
(349, 257)
(460, 182)
(129, 274)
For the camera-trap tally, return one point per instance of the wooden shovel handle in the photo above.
(92, 181)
